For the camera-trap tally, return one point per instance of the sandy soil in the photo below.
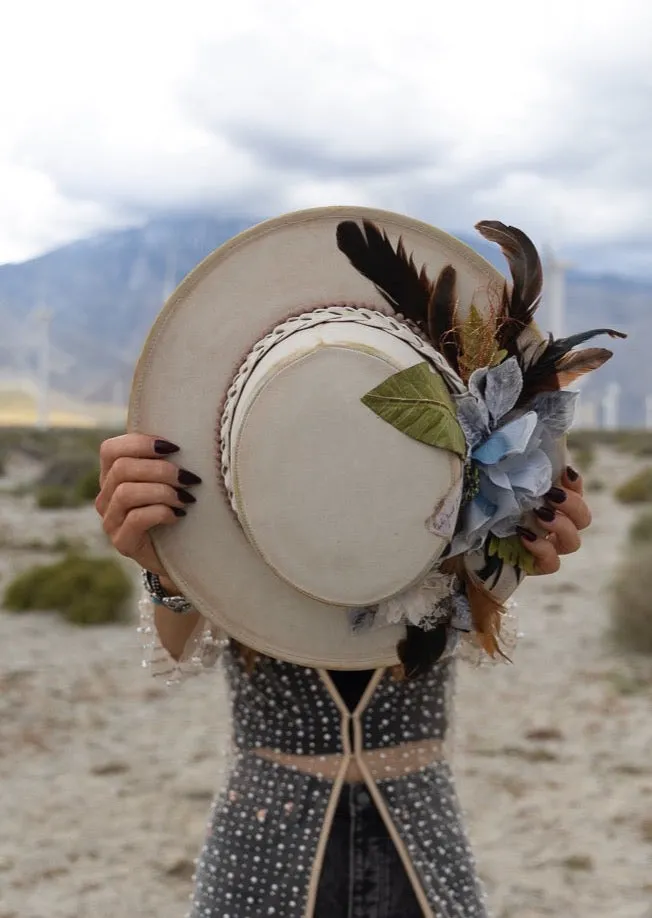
(106, 776)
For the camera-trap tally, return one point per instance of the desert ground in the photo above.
(106, 775)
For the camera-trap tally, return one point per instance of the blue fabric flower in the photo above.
(512, 451)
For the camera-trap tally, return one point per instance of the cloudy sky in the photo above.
(538, 114)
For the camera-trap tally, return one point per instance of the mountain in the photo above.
(104, 293)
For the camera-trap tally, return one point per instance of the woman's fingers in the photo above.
(571, 480)
(140, 490)
(564, 515)
(133, 495)
(132, 540)
(542, 550)
(571, 504)
(127, 469)
(133, 446)
(576, 510)
(564, 534)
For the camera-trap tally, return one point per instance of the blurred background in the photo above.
(135, 138)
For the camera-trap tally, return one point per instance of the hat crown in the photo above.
(319, 483)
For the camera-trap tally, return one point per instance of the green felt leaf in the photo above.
(417, 402)
(511, 551)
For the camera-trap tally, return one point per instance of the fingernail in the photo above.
(545, 513)
(165, 448)
(188, 478)
(185, 496)
(572, 474)
(556, 495)
(527, 534)
(178, 511)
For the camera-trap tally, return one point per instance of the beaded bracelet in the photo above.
(177, 604)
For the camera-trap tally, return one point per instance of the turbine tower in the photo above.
(43, 318)
(555, 304)
(610, 405)
(554, 296)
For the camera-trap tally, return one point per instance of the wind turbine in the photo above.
(610, 406)
(554, 294)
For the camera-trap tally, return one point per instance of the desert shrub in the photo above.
(56, 497)
(68, 482)
(47, 445)
(635, 442)
(631, 603)
(641, 529)
(67, 471)
(84, 590)
(638, 489)
(88, 485)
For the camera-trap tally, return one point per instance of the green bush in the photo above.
(631, 603)
(88, 485)
(85, 590)
(636, 490)
(68, 483)
(67, 471)
(56, 497)
(641, 529)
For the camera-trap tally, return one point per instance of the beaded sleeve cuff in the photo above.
(201, 653)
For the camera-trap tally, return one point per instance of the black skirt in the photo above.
(362, 874)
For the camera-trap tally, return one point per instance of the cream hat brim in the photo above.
(282, 267)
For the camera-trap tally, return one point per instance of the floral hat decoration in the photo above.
(503, 409)
(373, 412)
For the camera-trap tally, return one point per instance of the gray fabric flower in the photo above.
(512, 451)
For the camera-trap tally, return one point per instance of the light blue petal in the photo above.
(535, 478)
(512, 438)
(497, 476)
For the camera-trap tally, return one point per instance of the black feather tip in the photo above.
(392, 271)
(420, 650)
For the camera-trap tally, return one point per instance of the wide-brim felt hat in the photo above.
(326, 495)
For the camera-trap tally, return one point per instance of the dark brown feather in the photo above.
(572, 367)
(394, 273)
(527, 278)
(441, 316)
(559, 364)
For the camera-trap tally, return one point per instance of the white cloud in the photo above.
(537, 114)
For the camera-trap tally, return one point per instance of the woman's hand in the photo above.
(140, 489)
(563, 517)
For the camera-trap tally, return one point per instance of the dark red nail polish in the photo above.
(188, 478)
(556, 495)
(178, 511)
(572, 474)
(545, 513)
(185, 496)
(165, 448)
(527, 534)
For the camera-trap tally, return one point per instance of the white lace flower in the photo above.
(425, 604)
